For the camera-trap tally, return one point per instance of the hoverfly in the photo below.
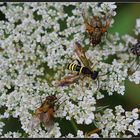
(95, 27)
(135, 50)
(82, 71)
(45, 113)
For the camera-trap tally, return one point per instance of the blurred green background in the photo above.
(125, 22)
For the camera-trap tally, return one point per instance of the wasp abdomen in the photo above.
(80, 69)
(71, 66)
(74, 67)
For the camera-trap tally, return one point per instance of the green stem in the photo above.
(74, 125)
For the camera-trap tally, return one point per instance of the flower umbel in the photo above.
(36, 43)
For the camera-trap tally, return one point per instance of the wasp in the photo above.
(45, 113)
(82, 71)
(95, 27)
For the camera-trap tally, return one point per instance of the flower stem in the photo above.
(74, 125)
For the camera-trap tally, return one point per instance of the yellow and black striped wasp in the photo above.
(82, 71)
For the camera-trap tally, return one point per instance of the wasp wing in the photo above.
(68, 80)
(81, 54)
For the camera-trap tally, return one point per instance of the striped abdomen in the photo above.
(80, 69)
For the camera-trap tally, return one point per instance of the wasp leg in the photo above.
(83, 83)
(89, 81)
(98, 84)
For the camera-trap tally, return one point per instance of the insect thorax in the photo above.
(86, 70)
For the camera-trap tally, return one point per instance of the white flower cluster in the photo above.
(12, 135)
(2, 124)
(40, 133)
(117, 123)
(36, 42)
